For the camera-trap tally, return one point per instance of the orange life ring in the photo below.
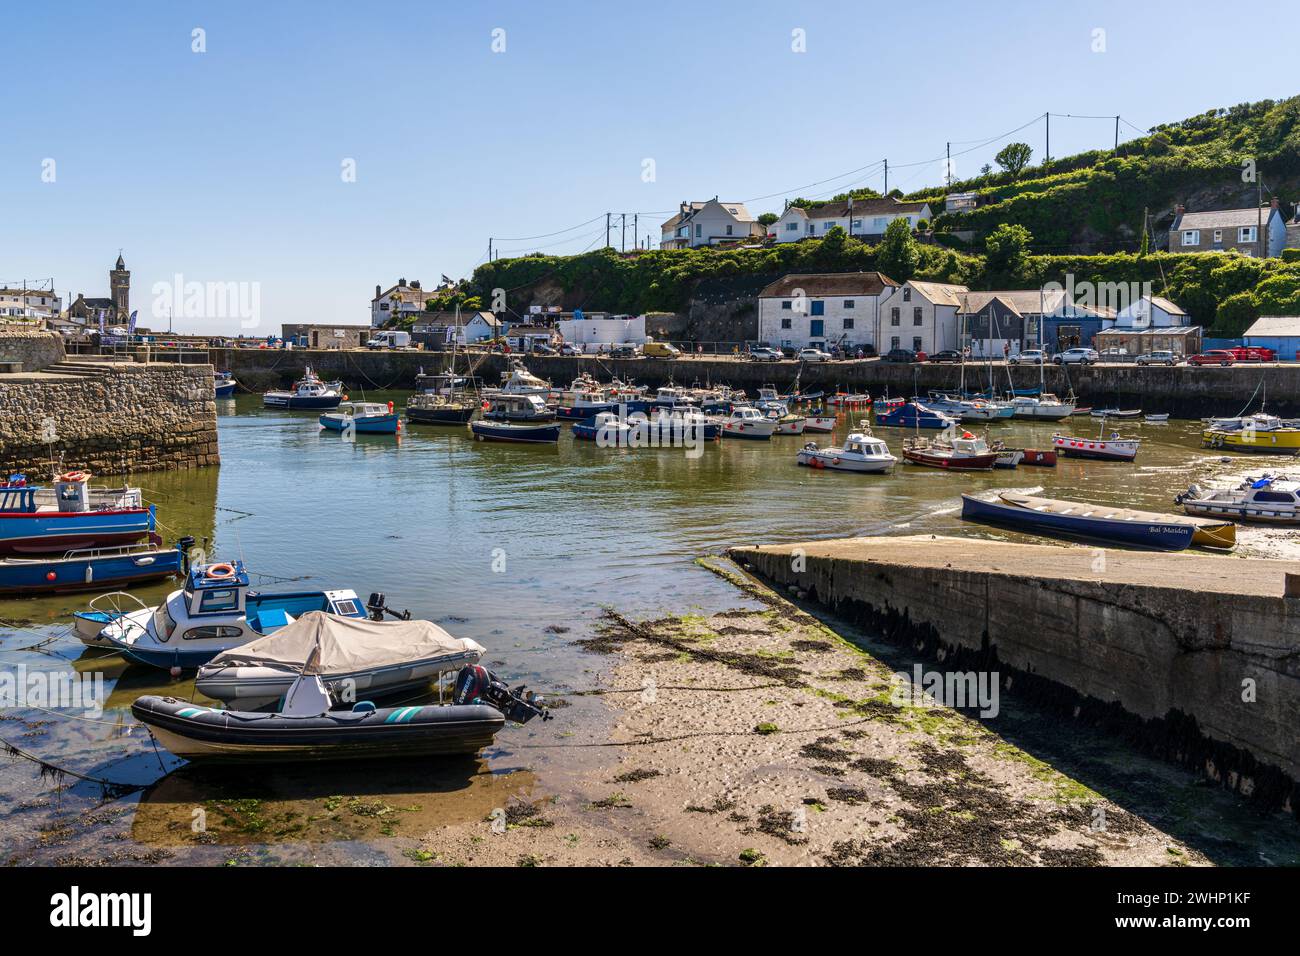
(76, 476)
(220, 572)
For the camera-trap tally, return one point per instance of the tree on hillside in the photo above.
(897, 255)
(767, 218)
(1014, 157)
(1006, 250)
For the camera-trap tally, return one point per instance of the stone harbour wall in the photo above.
(124, 417)
(34, 350)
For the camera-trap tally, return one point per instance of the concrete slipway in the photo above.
(1196, 657)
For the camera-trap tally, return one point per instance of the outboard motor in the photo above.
(184, 546)
(475, 684)
(378, 607)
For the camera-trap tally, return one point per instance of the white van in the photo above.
(390, 339)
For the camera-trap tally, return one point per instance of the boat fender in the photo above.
(363, 707)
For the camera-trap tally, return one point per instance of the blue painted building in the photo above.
(1281, 333)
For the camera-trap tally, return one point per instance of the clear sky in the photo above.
(229, 165)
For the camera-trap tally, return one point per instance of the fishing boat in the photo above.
(307, 727)
(849, 400)
(526, 408)
(214, 611)
(584, 404)
(1143, 529)
(1270, 499)
(309, 392)
(370, 418)
(746, 421)
(432, 408)
(1280, 438)
(672, 397)
(356, 659)
(1112, 448)
(967, 453)
(818, 421)
(1116, 413)
(861, 452)
(539, 434)
(913, 415)
(90, 569)
(607, 430)
(224, 384)
(1155, 418)
(967, 409)
(69, 516)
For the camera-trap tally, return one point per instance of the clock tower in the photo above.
(119, 287)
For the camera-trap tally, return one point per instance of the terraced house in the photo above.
(1252, 231)
(864, 218)
(709, 223)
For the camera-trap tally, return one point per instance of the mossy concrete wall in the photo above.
(1196, 656)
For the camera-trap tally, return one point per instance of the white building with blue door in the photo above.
(824, 309)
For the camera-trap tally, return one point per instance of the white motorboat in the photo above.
(520, 381)
(1267, 500)
(1045, 407)
(357, 659)
(822, 424)
(861, 452)
(746, 421)
(1112, 448)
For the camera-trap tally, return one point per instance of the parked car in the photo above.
(813, 355)
(764, 354)
(568, 348)
(903, 355)
(1157, 358)
(1028, 357)
(623, 351)
(946, 355)
(1253, 353)
(1077, 356)
(1213, 357)
(541, 348)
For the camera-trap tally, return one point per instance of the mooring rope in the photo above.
(115, 788)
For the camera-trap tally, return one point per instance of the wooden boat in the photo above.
(1266, 500)
(967, 453)
(438, 409)
(92, 569)
(861, 452)
(370, 418)
(69, 516)
(519, 434)
(309, 392)
(1113, 448)
(1044, 458)
(913, 415)
(1143, 529)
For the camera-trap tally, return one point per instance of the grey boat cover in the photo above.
(335, 645)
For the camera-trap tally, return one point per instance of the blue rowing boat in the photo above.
(1076, 519)
(89, 570)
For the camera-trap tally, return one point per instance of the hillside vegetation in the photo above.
(1046, 224)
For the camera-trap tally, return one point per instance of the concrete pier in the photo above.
(1196, 657)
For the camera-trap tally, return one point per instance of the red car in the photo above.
(1253, 353)
(1213, 357)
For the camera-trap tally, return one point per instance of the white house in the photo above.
(1252, 231)
(1150, 311)
(29, 304)
(709, 223)
(399, 301)
(922, 316)
(839, 308)
(864, 218)
(590, 334)
(440, 327)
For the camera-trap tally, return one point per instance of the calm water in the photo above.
(517, 547)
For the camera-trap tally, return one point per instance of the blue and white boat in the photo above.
(215, 611)
(518, 434)
(607, 430)
(370, 418)
(584, 404)
(70, 516)
(967, 409)
(308, 392)
(1106, 523)
(914, 415)
(224, 384)
(90, 569)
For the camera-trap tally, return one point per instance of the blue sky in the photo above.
(226, 166)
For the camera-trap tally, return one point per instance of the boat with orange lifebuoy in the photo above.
(862, 452)
(967, 453)
(71, 515)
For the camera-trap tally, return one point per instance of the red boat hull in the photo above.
(1036, 456)
(972, 463)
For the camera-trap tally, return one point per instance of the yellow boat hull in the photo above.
(1280, 441)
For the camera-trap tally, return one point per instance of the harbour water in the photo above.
(517, 547)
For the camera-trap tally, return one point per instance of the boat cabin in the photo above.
(365, 409)
(969, 445)
(517, 407)
(865, 446)
(220, 593)
(747, 413)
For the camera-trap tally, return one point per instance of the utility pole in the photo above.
(886, 177)
(947, 166)
(1048, 154)
(636, 230)
(489, 248)
(606, 230)
(623, 242)
(1117, 132)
